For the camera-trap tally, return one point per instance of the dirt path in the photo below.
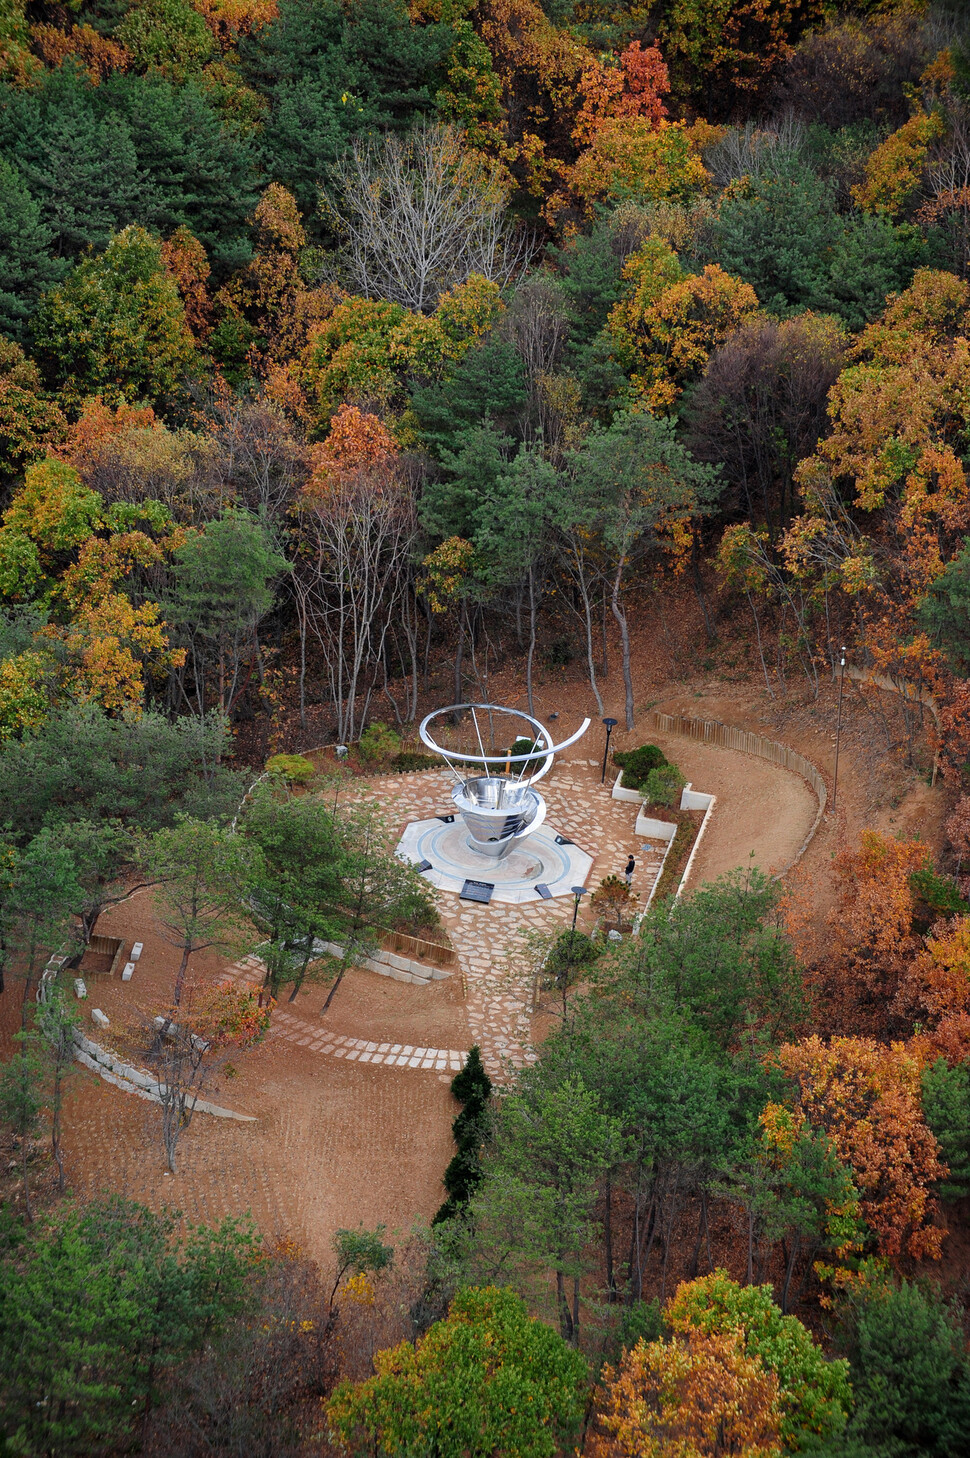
(763, 812)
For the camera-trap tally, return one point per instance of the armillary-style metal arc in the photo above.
(546, 752)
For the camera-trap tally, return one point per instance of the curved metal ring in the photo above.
(546, 753)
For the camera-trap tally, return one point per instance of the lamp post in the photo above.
(565, 974)
(578, 893)
(838, 730)
(610, 726)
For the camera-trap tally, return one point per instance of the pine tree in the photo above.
(26, 265)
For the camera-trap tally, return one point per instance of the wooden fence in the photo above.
(729, 736)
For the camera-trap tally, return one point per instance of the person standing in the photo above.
(631, 866)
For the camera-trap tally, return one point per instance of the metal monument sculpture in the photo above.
(497, 802)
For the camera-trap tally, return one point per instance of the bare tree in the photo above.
(947, 183)
(352, 579)
(184, 1056)
(56, 1025)
(421, 214)
(536, 324)
(754, 149)
(177, 1057)
(147, 460)
(258, 455)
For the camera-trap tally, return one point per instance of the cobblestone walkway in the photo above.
(497, 976)
(319, 1039)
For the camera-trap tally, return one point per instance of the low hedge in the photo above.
(636, 764)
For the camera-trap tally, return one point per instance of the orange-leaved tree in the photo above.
(866, 1096)
(30, 421)
(935, 991)
(60, 547)
(895, 413)
(695, 1396)
(871, 941)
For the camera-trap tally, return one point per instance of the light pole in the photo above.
(610, 726)
(838, 730)
(578, 893)
(565, 975)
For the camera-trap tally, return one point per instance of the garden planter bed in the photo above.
(688, 823)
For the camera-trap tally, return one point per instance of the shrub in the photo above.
(664, 785)
(636, 764)
(379, 745)
(472, 1087)
(526, 766)
(559, 653)
(292, 767)
(416, 912)
(413, 759)
(571, 955)
(612, 897)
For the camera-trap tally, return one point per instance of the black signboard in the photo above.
(480, 891)
(544, 891)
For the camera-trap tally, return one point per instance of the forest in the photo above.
(355, 356)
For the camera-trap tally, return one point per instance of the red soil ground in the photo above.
(337, 1143)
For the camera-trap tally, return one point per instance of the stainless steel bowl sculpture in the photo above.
(499, 806)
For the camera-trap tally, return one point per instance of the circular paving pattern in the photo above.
(543, 858)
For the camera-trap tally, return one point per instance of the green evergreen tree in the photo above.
(946, 1109)
(96, 1308)
(197, 171)
(80, 167)
(136, 148)
(944, 612)
(870, 260)
(142, 772)
(26, 264)
(777, 232)
(486, 386)
(910, 1372)
(472, 1087)
(223, 588)
(535, 1208)
(20, 1103)
(473, 471)
(329, 72)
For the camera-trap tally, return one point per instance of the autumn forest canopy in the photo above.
(351, 352)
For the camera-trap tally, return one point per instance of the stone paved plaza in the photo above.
(496, 973)
(497, 976)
